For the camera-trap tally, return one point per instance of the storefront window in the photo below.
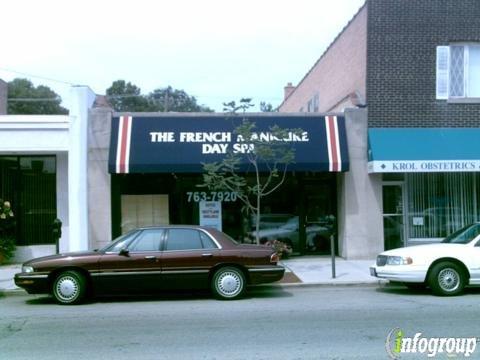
(301, 213)
(144, 210)
(29, 183)
(439, 204)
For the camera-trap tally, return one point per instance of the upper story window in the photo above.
(458, 71)
(312, 105)
(315, 103)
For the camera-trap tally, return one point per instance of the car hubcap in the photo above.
(229, 283)
(449, 280)
(67, 288)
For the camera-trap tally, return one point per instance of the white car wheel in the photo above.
(69, 288)
(228, 283)
(447, 278)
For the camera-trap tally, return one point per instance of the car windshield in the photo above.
(120, 242)
(464, 235)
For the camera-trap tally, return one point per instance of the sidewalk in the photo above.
(317, 270)
(306, 270)
(6, 276)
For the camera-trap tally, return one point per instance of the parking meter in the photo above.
(57, 232)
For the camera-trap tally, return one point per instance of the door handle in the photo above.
(207, 255)
(150, 257)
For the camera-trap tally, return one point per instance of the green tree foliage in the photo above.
(7, 231)
(269, 161)
(169, 99)
(25, 98)
(267, 107)
(127, 97)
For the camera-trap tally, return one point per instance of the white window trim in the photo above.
(444, 75)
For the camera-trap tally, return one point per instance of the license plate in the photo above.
(373, 271)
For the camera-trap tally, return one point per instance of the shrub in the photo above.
(7, 230)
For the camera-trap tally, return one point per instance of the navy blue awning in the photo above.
(423, 150)
(181, 143)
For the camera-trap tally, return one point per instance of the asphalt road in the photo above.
(270, 323)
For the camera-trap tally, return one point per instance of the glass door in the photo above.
(393, 216)
(320, 219)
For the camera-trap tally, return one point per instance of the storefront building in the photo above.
(42, 174)
(431, 187)
(155, 162)
(103, 173)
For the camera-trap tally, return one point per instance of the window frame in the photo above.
(443, 76)
(199, 231)
(133, 243)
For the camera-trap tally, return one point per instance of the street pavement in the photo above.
(307, 270)
(272, 322)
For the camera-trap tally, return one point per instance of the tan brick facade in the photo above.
(327, 78)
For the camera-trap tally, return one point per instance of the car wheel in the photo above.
(228, 283)
(447, 279)
(69, 288)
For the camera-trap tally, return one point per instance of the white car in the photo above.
(446, 267)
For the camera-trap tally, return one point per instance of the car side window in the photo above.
(121, 242)
(207, 242)
(148, 240)
(183, 239)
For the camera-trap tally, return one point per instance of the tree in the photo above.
(25, 98)
(127, 97)
(269, 160)
(266, 107)
(7, 231)
(169, 99)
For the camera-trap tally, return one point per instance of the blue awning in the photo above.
(181, 143)
(405, 150)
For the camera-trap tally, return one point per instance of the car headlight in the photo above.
(27, 269)
(399, 260)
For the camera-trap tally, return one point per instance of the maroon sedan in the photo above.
(154, 258)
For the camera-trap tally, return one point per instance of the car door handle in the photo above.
(207, 255)
(150, 257)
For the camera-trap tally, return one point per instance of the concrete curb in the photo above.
(326, 284)
(12, 292)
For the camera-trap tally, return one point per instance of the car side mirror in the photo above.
(124, 252)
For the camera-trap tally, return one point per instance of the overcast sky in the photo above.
(215, 50)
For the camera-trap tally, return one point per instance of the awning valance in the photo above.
(405, 150)
(181, 143)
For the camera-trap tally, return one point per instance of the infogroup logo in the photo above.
(397, 343)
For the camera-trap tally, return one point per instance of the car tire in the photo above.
(228, 283)
(447, 279)
(69, 288)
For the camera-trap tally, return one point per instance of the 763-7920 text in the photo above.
(224, 196)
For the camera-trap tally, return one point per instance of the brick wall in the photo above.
(401, 47)
(340, 71)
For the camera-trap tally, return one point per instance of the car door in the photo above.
(187, 258)
(134, 268)
(474, 254)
